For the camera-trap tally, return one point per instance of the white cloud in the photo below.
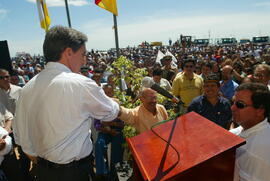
(262, 4)
(32, 47)
(51, 3)
(3, 13)
(161, 28)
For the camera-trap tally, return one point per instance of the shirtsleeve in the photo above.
(176, 87)
(97, 103)
(8, 115)
(7, 140)
(128, 115)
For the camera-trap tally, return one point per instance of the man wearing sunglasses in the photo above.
(211, 105)
(251, 111)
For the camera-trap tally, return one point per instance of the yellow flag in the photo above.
(109, 5)
(43, 13)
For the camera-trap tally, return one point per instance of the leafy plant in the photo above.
(125, 70)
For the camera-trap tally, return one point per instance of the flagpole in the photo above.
(116, 35)
(68, 17)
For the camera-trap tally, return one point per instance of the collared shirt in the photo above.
(164, 83)
(187, 89)
(9, 97)
(55, 111)
(8, 146)
(253, 158)
(220, 113)
(141, 118)
(4, 115)
(228, 89)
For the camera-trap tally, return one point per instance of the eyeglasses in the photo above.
(188, 66)
(4, 77)
(259, 75)
(240, 104)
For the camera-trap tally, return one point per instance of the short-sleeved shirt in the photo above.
(253, 158)
(220, 113)
(187, 89)
(141, 118)
(4, 115)
(9, 97)
(228, 89)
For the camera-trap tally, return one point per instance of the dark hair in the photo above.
(206, 64)
(97, 70)
(212, 78)
(167, 57)
(58, 38)
(157, 72)
(188, 60)
(260, 95)
(238, 65)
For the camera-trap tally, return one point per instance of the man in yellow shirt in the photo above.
(187, 85)
(145, 115)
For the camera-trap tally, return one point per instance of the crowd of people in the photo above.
(51, 104)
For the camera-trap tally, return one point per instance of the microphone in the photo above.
(161, 91)
(149, 83)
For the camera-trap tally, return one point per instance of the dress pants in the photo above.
(47, 172)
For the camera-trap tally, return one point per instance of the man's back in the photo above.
(60, 105)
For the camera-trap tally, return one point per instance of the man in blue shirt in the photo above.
(210, 105)
(228, 86)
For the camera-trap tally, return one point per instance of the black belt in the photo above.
(74, 163)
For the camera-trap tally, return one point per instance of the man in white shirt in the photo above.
(5, 118)
(157, 78)
(251, 111)
(55, 110)
(9, 93)
(5, 148)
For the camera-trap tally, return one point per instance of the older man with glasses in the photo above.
(187, 85)
(251, 111)
(262, 74)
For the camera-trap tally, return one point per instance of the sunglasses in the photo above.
(240, 104)
(188, 66)
(4, 77)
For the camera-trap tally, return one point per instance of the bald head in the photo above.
(146, 91)
(227, 72)
(149, 99)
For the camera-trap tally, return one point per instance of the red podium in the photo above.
(207, 151)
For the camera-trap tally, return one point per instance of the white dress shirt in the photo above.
(253, 158)
(55, 111)
(9, 97)
(8, 146)
(4, 115)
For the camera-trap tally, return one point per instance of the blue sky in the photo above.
(138, 20)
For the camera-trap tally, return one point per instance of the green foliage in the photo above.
(133, 77)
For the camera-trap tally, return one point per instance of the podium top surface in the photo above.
(195, 138)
